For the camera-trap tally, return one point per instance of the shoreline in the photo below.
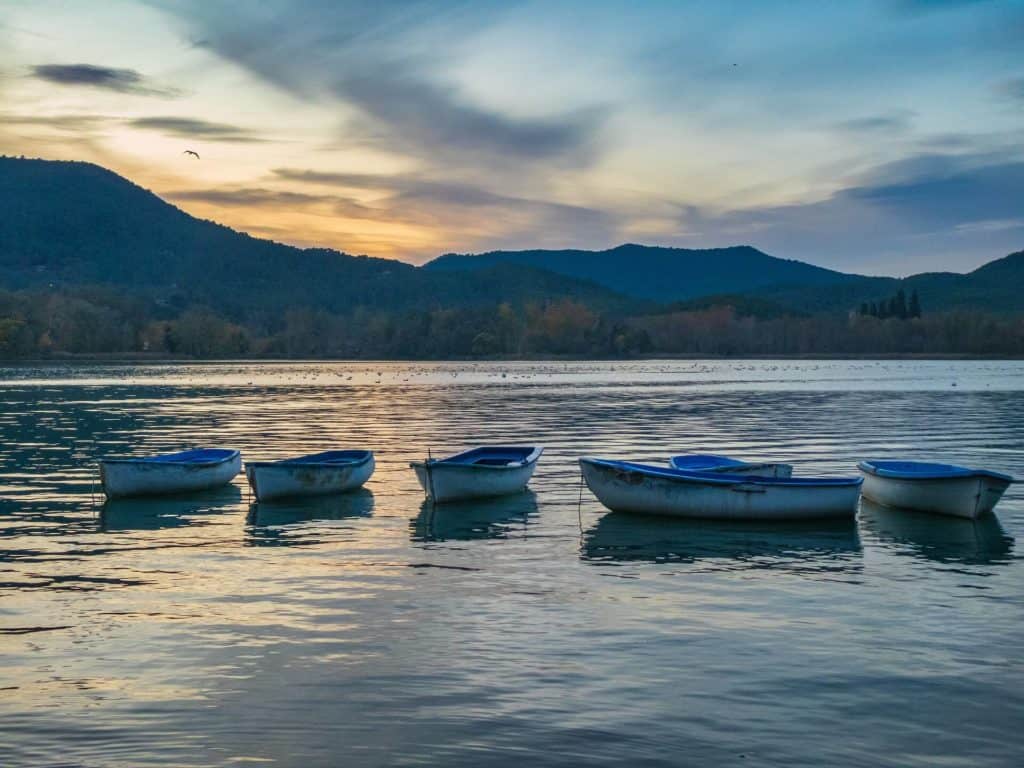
(118, 359)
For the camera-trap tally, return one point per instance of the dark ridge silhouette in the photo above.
(91, 264)
(67, 224)
(680, 274)
(660, 274)
(992, 287)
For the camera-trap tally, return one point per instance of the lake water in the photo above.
(537, 630)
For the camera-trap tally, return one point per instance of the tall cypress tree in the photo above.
(915, 304)
(901, 304)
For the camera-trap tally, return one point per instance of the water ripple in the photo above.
(375, 629)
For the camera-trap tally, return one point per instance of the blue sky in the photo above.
(884, 137)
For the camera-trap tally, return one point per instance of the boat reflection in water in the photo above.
(305, 520)
(939, 538)
(495, 518)
(152, 513)
(293, 521)
(822, 545)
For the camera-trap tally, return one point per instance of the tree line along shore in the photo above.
(104, 322)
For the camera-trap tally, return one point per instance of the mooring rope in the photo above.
(430, 477)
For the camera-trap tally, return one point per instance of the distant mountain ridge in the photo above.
(992, 287)
(69, 224)
(683, 275)
(660, 274)
(66, 224)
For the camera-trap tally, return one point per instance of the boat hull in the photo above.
(121, 479)
(282, 480)
(454, 482)
(967, 497)
(631, 491)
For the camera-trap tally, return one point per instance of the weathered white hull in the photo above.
(451, 482)
(626, 491)
(281, 480)
(124, 478)
(969, 497)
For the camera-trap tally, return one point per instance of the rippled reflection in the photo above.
(293, 522)
(495, 518)
(153, 513)
(371, 629)
(826, 545)
(939, 538)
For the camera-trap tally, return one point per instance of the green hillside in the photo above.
(68, 224)
(659, 274)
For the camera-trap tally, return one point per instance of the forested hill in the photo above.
(661, 274)
(993, 287)
(91, 264)
(681, 275)
(68, 224)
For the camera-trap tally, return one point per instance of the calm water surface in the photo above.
(535, 630)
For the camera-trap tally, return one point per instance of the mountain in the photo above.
(992, 287)
(995, 286)
(72, 224)
(660, 274)
(67, 224)
(680, 276)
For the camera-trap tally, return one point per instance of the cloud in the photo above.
(92, 76)
(891, 122)
(990, 225)
(403, 186)
(73, 123)
(248, 197)
(190, 128)
(427, 118)
(922, 213)
(407, 188)
(436, 86)
(927, 6)
(472, 217)
(1012, 90)
(384, 66)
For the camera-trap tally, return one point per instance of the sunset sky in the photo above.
(884, 137)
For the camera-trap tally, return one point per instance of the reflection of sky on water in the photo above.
(938, 538)
(307, 521)
(381, 630)
(494, 518)
(702, 375)
(825, 546)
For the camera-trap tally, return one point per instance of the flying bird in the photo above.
(191, 152)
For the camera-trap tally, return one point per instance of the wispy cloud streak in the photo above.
(94, 76)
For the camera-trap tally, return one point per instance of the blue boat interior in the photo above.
(194, 456)
(723, 478)
(699, 461)
(333, 458)
(922, 470)
(491, 456)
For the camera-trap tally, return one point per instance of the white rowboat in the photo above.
(314, 475)
(183, 472)
(945, 489)
(478, 473)
(623, 486)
